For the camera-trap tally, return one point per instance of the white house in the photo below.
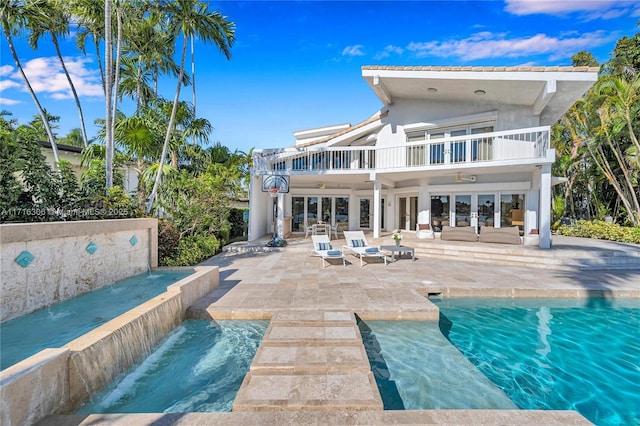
(457, 146)
(73, 155)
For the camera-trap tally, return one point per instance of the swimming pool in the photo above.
(199, 367)
(62, 322)
(549, 354)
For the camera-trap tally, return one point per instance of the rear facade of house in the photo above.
(456, 146)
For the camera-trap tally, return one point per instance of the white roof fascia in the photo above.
(320, 131)
(354, 134)
(485, 75)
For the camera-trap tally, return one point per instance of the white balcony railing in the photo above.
(528, 143)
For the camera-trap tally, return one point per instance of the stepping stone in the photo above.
(282, 392)
(310, 359)
(327, 335)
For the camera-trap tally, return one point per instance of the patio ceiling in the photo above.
(361, 181)
(549, 93)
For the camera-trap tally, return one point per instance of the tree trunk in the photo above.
(167, 137)
(43, 115)
(102, 77)
(193, 84)
(108, 60)
(116, 80)
(73, 89)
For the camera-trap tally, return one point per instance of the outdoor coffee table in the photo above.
(399, 249)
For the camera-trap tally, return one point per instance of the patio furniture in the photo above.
(308, 229)
(322, 248)
(321, 229)
(504, 235)
(425, 231)
(466, 233)
(400, 249)
(357, 244)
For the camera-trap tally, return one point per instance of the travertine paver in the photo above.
(323, 418)
(318, 364)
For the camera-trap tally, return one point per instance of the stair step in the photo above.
(312, 359)
(293, 392)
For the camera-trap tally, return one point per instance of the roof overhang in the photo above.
(548, 91)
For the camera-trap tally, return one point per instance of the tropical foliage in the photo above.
(597, 142)
(135, 43)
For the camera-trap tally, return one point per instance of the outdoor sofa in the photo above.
(464, 233)
(504, 235)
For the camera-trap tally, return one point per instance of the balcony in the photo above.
(495, 147)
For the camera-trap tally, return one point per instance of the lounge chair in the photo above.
(357, 244)
(322, 247)
(423, 228)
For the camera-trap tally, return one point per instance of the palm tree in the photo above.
(108, 47)
(54, 20)
(619, 110)
(191, 17)
(15, 17)
(89, 18)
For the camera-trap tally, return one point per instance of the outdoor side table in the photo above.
(399, 249)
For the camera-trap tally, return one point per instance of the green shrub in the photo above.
(238, 225)
(168, 240)
(601, 230)
(193, 250)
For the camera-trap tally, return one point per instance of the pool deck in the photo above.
(310, 368)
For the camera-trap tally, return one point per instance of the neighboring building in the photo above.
(463, 146)
(73, 155)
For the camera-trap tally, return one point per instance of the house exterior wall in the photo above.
(129, 174)
(508, 165)
(405, 112)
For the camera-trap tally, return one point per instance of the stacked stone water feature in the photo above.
(310, 360)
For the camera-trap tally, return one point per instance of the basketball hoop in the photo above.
(273, 192)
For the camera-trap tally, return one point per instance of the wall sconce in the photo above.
(480, 92)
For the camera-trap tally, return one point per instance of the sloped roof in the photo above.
(369, 120)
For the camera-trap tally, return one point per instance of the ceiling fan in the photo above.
(460, 178)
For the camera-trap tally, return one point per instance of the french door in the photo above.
(407, 213)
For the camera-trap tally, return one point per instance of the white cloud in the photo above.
(353, 50)
(593, 9)
(388, 51)
(489, 45)
(7, 101)
(8, 84)
(5, 70)
(45, 75)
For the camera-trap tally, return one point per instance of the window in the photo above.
(459, 148)
(482, 149)
(416, 136)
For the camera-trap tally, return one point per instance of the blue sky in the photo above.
(296, 65)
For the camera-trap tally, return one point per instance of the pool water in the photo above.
(63, 322)
(417, 368)
(553, 354)
(199, 367)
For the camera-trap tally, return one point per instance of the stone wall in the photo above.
(45, 263)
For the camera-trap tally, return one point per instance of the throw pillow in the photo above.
(424, 226)
(334, 253)
(357, 243)
(324, 246)
(371, 250)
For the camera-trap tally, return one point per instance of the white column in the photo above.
(545, 207)
(377, 186)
